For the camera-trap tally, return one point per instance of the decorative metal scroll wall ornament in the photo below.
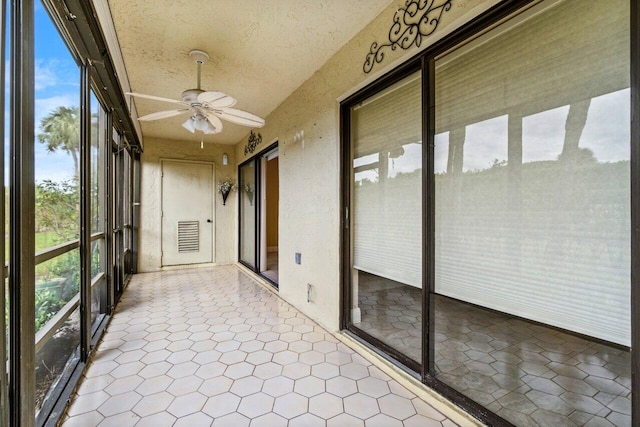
(418, 19)
(254, 141)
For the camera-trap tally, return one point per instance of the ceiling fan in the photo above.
(205, 108)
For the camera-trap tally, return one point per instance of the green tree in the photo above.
(61, 131)
(57, 208)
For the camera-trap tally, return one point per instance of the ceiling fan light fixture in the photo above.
(201, 123)
(189, 125)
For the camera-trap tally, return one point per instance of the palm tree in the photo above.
(61, 130)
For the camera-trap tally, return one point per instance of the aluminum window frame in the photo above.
(80, 31)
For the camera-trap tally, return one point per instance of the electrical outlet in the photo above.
(309, 287)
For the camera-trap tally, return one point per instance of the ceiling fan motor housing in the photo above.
(190, 96)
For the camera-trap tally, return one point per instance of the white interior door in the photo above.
(187, 212)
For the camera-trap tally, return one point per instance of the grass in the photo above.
(46, 239)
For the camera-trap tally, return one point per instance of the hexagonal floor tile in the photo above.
(307, 420)
(223, 404)
(197, 419)
(187, 404)
(239, 370)
(246, 386)
(361, 406)
(188, 353)
(309, 386)
(345, 420)
(278, 386)
(255, 405)
(373, 387)
(325, 405)
(291, 405)
(232, 420)
(269, 420)
(153, 404)
(396, 406)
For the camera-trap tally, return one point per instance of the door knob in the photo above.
(209, 220)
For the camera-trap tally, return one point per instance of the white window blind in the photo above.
(387, 183)
(532, 169)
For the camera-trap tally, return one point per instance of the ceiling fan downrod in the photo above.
(199, 74)
(200, 57)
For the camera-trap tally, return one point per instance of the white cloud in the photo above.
(44, 106)
(45, 73)
(607, 131)
(543, 135)
(485, 142)
(55, 72)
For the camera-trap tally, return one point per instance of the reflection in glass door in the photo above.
(259, 200)
(531, 224)
(269, 212)
(386, 220)
(247, 193)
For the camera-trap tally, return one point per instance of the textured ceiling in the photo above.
(260, 50)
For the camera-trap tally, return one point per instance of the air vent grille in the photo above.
(188, 236)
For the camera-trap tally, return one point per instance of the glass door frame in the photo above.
(408, 69)
(241, 184)
(256, 160)
(117, 216)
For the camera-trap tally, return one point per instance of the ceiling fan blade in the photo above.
(240, 117)
(155, 98)
(162, 115)
(216, 99)
(215, 121)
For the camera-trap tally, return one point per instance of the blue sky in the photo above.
(57, 83)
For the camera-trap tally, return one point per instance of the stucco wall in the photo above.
(225, 248)
(309, 220)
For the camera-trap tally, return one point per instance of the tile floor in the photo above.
(210, 346)
(529, 374)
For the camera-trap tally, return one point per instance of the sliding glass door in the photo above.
(258, 189)
(532, 185)
(513, 243)
(386, 219)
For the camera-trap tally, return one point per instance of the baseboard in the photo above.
(440, 403)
